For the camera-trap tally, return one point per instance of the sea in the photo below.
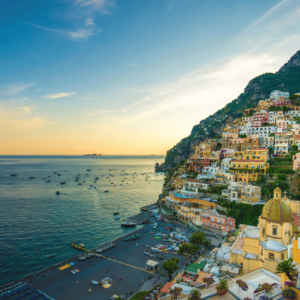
(35, 221)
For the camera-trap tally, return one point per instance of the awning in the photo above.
(152, 263)
(107, 285)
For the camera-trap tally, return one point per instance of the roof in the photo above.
(152, 263)
(251, 256)
(273, 246)
(230, 269)
(193, 180)
(246, 160)
(193, 268)
(166, 287)
(252, 233)
(277, 210)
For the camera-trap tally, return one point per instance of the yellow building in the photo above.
(266, 245)
(259, 153)
(247, 170)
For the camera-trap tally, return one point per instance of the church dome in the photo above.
(277, 210)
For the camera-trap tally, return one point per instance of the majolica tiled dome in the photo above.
(277, 210)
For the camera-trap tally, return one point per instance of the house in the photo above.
(260, 118)
(281, 143)
(296, 161)
(192, 186)
(281, 101)
(277, 94)
(242, 192)
(212, 220)
(267, 142)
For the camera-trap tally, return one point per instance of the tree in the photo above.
(171, 265)
(195, 295)
(286, 267)
(197, 239)
(187, 249)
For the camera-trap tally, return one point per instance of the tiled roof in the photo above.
(241, 160)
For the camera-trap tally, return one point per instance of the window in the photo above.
(282, 256)
(262, 252)
(271, 256)
(230, 222)
(204, 223)
(274, 231)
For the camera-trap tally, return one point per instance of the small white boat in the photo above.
(82, 257)
(50, 255)
(117, 218)
(128, 224)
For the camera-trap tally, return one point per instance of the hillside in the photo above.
(286, 79)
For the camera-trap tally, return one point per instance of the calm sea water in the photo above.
(34, 221)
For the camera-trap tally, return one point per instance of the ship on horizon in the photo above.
(94, 154)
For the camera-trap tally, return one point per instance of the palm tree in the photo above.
(286, 267)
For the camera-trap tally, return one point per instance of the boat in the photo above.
(57, 192)
(54, 172)
(31, 177)
(117, 218)
(47, 180)
(81, 245)
(116, 213)
(58, 174)
(82, 257)
(62, 182)
(50, 255)
(128, 224)
(13, 174)
(91, 185)
(79, 183)
(105, 191)
(88, 170)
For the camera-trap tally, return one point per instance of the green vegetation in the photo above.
(187, 249)
(198, 239)
(287, 268)
(216, 189)
(139, 295)
(243, 136)
(243, 213)
(171, 266)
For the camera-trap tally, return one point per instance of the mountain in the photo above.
(260, 87)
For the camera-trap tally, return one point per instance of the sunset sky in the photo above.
(130, 76)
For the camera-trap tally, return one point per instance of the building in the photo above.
(263, 131)
(281, 101)
(267, 142)
(242, 192)
(276, 94)
(266, 245)
(296, 161)
(281, 145)
(211, 219)
(260, 118)
(192, 186)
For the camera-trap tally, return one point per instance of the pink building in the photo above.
(260, 118)
(296, 161)
(282, 124)
(211, 219)
(281, 102)
(227, 153)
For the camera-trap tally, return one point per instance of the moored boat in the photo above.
(50, 255)
(128, 224)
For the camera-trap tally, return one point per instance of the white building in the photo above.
(293, 113)
(225, 163)
(276, 94)
(192, 186)
(266, 142)
(281, 143)
(263, 131)
(242, 192)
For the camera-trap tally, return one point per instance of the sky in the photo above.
(130, 77)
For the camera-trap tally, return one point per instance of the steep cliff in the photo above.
(286, 79)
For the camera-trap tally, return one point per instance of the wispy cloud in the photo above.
(89, 21)
(15, 88)
(72, 35)
(133, 65)
(101, 5)
(25, 109)
(58, 95)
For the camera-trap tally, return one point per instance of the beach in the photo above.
(126, 260)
